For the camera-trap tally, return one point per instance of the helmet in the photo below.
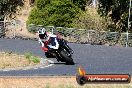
(42, 33)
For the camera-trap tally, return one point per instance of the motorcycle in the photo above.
(63, 53)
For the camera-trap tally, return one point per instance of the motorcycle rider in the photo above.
(47, 40)
(50, 41)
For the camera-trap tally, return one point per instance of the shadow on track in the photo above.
(62, 63)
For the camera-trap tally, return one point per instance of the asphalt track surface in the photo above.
(95, 59)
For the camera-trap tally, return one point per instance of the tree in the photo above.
(80, 3)
(90, 20)
(7, 7)
(117, 12)
(54, 12)
(40, 4)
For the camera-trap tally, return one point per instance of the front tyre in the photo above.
(49, 55)
(68, 59)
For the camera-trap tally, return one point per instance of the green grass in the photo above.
(47, 86)
(32, 58)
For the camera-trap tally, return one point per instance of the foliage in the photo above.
(117, 11)
(32, 28)
(7, 7)
(41, 3)
(32, 58)
(80, 3)
(89, 19)
(55, 12)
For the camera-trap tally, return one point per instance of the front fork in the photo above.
(65, 45)
(56, 54)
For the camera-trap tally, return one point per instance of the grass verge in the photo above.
(13, 60)
(52, 82)
(32, 58)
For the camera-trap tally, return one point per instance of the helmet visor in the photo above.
(43, 36)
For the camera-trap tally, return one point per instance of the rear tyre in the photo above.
(68, 60)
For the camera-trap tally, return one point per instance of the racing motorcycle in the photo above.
(63, 53)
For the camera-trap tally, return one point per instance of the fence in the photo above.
(2, 29)
(88, 36)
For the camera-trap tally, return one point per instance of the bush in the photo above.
(89, 19)
(56, 12)
(32, 28)
(41, 3)
(80, 3)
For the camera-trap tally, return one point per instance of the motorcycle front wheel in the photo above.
(49, 55)
(67, 58)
